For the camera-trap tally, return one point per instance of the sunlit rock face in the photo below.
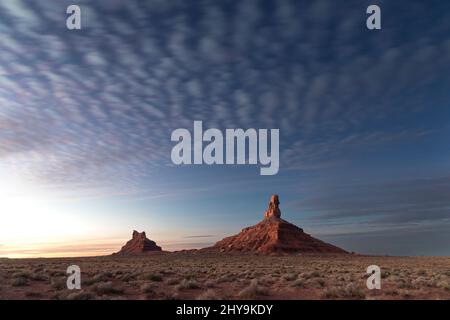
(273, 210)
(274, 235)
(139, 244)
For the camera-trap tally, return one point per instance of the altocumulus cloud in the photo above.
(99, 104)
(95, 108)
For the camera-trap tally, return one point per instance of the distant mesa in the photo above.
(139, 244)
(274, 235)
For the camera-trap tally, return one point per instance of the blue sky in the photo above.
(86, 118)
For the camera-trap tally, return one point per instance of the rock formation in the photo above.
(273, 210)
(274, 235)
(139, 244)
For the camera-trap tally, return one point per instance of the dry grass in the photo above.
(253, 291)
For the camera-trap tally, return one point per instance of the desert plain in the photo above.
(214, 275)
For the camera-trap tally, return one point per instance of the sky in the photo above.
(86, 118)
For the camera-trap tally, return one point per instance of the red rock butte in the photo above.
(274, 235)
(139, 244)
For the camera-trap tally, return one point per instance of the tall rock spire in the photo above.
(273, 210)
(275, 235)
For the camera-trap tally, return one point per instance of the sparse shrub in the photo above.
(107, 288)
(172, 295)
(210, 283)
(208, 295)
(319, 283)
(405, 293)
(147, 288)
(55, 296)
(128, 277)
(154, 277)
(57, 274)
(173, 281)
(253, 291)
(314, 274)
(353, 291)
(188, 284)
(265, 281)
(298, 283)
(19, 282)
(25, 275)
(422, 272)
(39, 277)
(101, 277)
(444, 284)
(290, 276)
(89, 281)
(226, 278)
(59, 283)
(422, 282)
(80, 295)
(392, 292)
(405, 284)
(349, 291)
(330, 293)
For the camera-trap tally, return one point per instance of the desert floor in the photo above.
(191, 275)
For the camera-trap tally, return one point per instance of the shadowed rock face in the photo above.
(139, 244)
(275, 235)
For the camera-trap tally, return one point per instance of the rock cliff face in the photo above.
(275, 235)
(138, 244)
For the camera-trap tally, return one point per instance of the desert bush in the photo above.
(154, 277)
(57, 274)
(268, 281)
(147, 288)
(127, 277)
(226, 278)
(19, 282)
(353, 291)
(331, 292)
(173, 281)
(444, 284)
(391, 292)
(188, 284)
(58, 283)
(318, 283)
(80, 295)
(108, 288)
(40, 276)
(210, 283)
(422, 272)
(101, 277)
(22, 274)
(253, 291)
(405, 293)
(405, 284)
(290, 276)
(300, 282)
(422, 282)
(208, 295)
(349, 291)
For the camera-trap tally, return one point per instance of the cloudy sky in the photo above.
(86, 117)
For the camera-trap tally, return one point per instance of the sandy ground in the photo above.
(199, 275)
